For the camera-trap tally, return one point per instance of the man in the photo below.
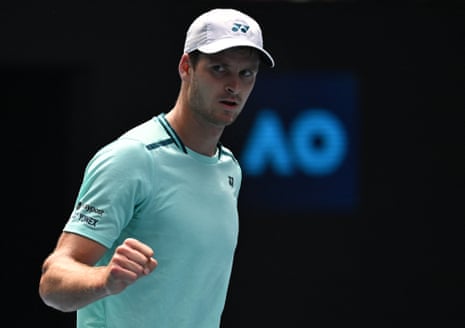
(151, 240)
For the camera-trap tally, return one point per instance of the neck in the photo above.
(198, 135)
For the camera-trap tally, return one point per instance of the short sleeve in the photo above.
(116, 182)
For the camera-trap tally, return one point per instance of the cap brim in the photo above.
(224, 44)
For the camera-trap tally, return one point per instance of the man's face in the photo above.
(221, 84)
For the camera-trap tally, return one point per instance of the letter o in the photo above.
(326, 157)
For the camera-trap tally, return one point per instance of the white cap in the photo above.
(220, 29)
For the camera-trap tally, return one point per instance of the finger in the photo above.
(150, 265)
(130, 258)
(140, 247)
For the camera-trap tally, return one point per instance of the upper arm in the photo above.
(65, 283)
(79, 248)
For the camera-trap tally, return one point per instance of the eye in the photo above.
(248, 73)
(218, 68)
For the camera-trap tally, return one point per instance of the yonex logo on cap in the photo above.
(240, 27)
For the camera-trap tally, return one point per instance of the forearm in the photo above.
(67, 285)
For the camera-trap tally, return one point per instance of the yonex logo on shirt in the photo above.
(231, 181)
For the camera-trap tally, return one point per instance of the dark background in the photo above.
(74, 75)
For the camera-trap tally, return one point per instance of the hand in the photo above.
(131, 261)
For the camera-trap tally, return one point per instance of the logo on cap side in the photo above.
(240, 27)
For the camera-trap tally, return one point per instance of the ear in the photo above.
(184, 65)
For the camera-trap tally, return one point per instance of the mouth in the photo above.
(229, 103)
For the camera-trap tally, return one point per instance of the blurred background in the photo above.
(352, 205)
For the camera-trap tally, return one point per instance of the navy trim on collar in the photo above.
(164, 122)
(178, 142)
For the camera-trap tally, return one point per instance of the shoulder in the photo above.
(123, 155)
(147, 133)
(135, 143)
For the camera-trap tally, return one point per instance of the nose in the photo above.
(232, 87)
